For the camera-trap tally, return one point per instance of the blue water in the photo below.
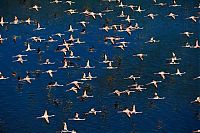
(21, 104)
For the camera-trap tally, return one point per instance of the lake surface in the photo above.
(20, 104)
